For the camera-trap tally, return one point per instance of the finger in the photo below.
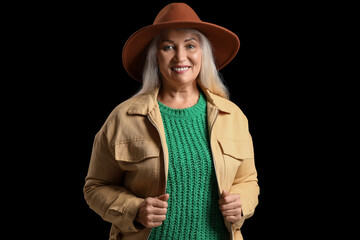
(230, 206)
(155, 218)
(224, 193)
(158, 218)
(233, 219)
(161, 201)
(156, 203)
(153, 224)
(229, 198)
(164, 197)
(233, 212)
(157, 211)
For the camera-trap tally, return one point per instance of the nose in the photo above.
(180, 55)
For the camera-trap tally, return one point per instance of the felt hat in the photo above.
(177, 15)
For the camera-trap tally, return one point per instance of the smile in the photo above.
(180, 69)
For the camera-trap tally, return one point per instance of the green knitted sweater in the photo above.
(193, 211)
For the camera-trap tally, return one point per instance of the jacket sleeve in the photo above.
(103, 191)
(246, 185)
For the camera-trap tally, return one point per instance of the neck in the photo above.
(179, 97)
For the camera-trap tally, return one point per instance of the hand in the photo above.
(230, 206)
(152, 211)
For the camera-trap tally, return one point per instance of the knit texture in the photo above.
(193, 211)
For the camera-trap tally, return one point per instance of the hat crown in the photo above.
(175, 12)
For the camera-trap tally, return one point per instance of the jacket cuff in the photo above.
(246, 208)
(127, 214)
(246, 212)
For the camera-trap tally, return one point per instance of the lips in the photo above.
(180, 68)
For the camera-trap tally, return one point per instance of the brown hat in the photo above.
(177, 15)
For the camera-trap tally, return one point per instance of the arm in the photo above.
(103, 189)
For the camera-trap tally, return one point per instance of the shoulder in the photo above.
(225, 105)
(119, 113)
(235, 112)
(124, 106)
(233, 106)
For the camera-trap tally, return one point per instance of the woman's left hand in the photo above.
(230, 206)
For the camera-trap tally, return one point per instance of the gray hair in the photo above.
(209, 77)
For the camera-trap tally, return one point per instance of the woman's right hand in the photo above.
(152, 211)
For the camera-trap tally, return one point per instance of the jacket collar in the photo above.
(219, 102)
(146, 102)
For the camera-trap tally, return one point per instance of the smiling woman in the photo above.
(208, 76)
(176, 52)
(179, 61)
(176, 160)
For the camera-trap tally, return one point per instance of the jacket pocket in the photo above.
(140, 163)
(136, 151)
(239, 150)
(234, 155)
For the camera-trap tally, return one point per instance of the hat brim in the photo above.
(224, 42)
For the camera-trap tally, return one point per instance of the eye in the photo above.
(190, 46)
(168, 47)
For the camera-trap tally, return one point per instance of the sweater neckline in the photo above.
(195, 110)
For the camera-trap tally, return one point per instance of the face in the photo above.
(179, 57)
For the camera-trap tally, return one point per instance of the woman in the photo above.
(176, 160)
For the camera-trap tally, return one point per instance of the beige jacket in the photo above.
(129, 161)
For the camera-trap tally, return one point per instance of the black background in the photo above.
(73, 56)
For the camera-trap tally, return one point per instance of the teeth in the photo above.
(181, 69)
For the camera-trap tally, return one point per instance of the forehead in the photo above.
(179, 35)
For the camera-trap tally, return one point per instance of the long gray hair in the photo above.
(209, 77)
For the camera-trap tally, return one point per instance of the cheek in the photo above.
(162, 61)
(196, 59)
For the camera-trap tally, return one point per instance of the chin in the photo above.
(184, 80)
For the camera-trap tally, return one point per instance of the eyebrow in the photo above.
(186, 40)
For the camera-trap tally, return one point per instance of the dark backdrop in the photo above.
(80, 48)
